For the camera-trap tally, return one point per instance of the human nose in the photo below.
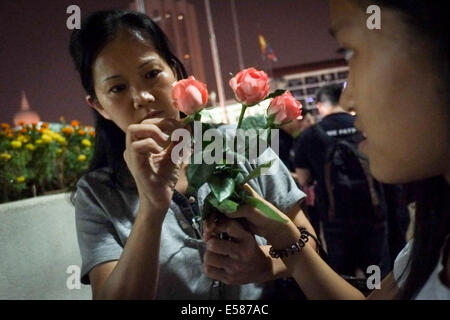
(141, 98)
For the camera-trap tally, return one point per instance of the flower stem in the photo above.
(241, 116)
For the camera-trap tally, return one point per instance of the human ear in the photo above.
(93, 103)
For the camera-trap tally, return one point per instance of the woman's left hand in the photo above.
(239, 260)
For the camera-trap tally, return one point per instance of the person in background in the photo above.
(287, 134)
(354, 238)
(307, 120)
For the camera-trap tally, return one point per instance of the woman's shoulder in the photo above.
(97, 177)
(435, 287)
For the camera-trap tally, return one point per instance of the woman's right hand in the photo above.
(148, 157)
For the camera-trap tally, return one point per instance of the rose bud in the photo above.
(250, 86)
(284, 108)
(189, 95)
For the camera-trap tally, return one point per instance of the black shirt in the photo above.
(286, 151)
(310, 148)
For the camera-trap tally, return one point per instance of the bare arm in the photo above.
(313, 275)
(148, 156)
(135, 275)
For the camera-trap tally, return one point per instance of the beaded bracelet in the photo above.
(294, 248)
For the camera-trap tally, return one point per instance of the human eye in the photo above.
(152, 73)
(117, 88)
(347, 53)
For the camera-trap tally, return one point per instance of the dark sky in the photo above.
(34, 47)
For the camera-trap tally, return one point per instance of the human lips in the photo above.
(362, 133)
(153, 114)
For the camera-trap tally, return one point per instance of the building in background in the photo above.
(178, 20)
(25, 114)
(304, 80)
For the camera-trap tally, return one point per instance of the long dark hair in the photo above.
(429, 21)
(96, 31)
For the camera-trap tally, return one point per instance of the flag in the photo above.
(266, 49)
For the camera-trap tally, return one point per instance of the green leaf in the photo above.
(265, 209)
(276, 93)
(221, 187)
(254, 122)
(198, 174)
(207, 206)
(226, 206)
(257, 171)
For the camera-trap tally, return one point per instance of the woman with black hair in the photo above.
(398, 87)
(138, 230)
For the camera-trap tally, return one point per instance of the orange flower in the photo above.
(92, 133)
(23, 130)
(67, 130)
(5, 126)
(75, 123)
(10, 135)
(21, 123)
(44, 125)
(81, 132)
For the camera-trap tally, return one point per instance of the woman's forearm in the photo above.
(136, 274)
(317, 279)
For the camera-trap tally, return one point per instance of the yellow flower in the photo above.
(58, 151)
(16, 144)
(39, 141)
(46, 138)
(48, 132)
(81, 158)
(30, 146)
(86, 143)
(5, 156)
(20, 179)
(23, 138)
(62, 140)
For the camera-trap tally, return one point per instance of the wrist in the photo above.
(285, 237)
(148, 208)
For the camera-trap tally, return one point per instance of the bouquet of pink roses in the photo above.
(218, 159)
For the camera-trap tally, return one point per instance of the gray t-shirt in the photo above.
(105, 213)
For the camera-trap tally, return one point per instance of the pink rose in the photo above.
(250, 86)
(284, 108)
(189, 95)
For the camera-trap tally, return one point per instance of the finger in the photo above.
(233, 228)
(223, 247)
(216, 274)
(146, 146)
(210, 222)
(208, 229)
(218, 261)
(253, 193)
(167, 125)
(143, 131)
